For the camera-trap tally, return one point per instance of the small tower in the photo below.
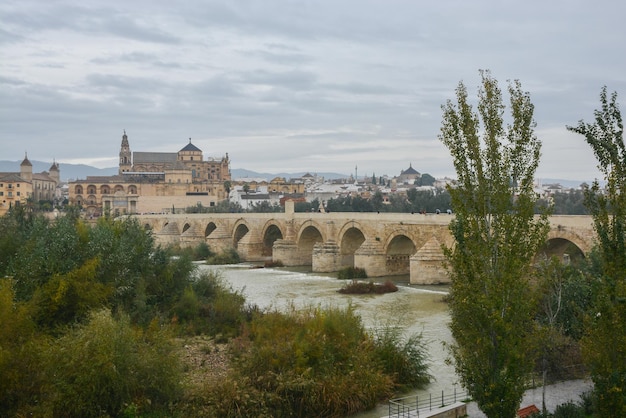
(190, 153)
(125, 156)
(55, 173)
(26, 169)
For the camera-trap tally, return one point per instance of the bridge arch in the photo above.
(351, 237)
(239, 231)
(310, 234)
(186, 226)
(271, 233)
(398, 252)
(565, 245)
(208, 230)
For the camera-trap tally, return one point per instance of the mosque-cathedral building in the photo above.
(153, 182)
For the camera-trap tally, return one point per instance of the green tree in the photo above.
(604, 344)
(496, 237)
(426, 180)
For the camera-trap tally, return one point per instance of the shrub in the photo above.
(351, 273)
(201, 251)
(404, 358)
(21, 377)
(360, 288)
(209, 306)
(315, 362)
(229, 256)
(569, 410)
(103, 367)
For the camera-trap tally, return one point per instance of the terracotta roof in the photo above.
(527, 411)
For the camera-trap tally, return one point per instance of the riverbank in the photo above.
(556, 394)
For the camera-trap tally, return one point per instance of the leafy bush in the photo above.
(209, 306)
(315, 362)
(351, 273)
(359, 288)
(100, 368)
(67, 298)
(202, 251)
(21, 377)
(569, 410)
(229, 256)
(199, 252)
(404, 358)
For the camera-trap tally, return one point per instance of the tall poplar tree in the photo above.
(497, 236)
(604, 343)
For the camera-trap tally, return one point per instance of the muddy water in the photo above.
(417, 309)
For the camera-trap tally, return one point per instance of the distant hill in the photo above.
(241, 173)
(68, 171)
(81, 171)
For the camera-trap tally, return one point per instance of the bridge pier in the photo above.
(169, 235)
(326, 257)
(371, 257)
(219, 240)
(286, 252)
(191, 237)
(250, 247)
(427, 264)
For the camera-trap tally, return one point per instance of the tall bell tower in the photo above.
(126, 163)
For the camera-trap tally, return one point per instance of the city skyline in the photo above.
(296, 86)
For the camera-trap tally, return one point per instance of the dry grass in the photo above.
(204, 360)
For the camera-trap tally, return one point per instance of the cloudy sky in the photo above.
(296, 85)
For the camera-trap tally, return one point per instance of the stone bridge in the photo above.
(384, 244)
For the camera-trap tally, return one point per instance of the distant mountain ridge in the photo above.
(81, 171)
(68, 171)
(242, 173)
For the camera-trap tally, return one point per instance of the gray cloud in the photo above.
(318, 86)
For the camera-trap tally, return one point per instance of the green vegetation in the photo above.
(228, 256)
(351, 273)
(314, 362)
(497, 237)
(361, 288)
(95, 321)
(604, 343)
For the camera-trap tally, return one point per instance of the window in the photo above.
(18, 193)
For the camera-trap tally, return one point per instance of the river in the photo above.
(417, 309)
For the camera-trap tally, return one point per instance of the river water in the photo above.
(417, 309)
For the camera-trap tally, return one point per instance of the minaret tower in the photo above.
(26, 169)
(55, 172)
(125, 156)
